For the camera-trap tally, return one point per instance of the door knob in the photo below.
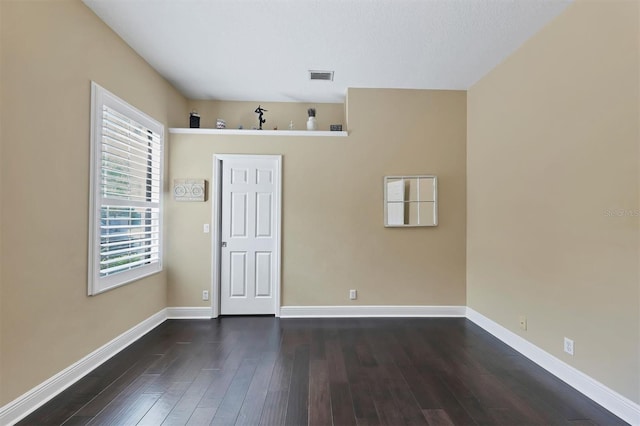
(224, 244)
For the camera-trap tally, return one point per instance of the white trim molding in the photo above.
(370, 311)
(196, 312)
(601, 394)
(27, 403)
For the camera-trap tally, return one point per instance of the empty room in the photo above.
(319, 212)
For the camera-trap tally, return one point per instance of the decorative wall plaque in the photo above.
(188, 189)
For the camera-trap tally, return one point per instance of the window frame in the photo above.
(97, 284)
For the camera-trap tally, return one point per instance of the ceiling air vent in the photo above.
(321, 75)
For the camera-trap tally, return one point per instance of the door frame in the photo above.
(216, 222)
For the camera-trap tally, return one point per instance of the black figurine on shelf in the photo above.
(261, 111)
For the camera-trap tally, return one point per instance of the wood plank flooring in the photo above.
(270, 371)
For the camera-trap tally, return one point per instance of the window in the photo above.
(125, 219)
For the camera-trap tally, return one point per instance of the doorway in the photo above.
(247, 237)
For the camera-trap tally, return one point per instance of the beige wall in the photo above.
(50, 53)
(333, 234)
(279, 114)
(552, 152)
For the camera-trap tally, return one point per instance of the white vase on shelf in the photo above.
(311, 124)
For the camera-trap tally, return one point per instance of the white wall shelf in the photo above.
(248, 132)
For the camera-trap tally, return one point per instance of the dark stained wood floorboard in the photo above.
(364, 407)
(275, 408)
(126, 401)
(68, 402)
(113, 396)
(251, 409)
(319, 396)
(437, 418)
(341, 404)
(184, 408)
(298, 401)
(164, 405)
(272, 372)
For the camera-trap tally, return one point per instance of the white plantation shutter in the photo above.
(125, 237)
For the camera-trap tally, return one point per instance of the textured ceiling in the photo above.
(262, 50)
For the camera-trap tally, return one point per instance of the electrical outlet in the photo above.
(205, 295)
(568, 346)
(353, 294)
(522, 320)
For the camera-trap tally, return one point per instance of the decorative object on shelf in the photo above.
(311, 122)
(194, 120)
(221, 124)
(291, 127)
(335, 127)
(188, 189)
(261, 112)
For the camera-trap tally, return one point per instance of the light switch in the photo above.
(205, 228)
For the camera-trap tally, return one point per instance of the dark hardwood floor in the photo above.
(269, 371)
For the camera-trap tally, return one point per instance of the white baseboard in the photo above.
(608, 398)
(611, 400)
(187, 312)
(370, 311)
(25, 404)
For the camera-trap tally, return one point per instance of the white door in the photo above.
(249, 252)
